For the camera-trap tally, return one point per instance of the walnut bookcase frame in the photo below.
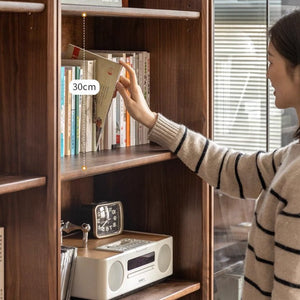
(38, 189)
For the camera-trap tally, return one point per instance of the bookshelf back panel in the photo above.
(23, 93)
(72, 32)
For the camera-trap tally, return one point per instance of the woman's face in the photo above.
(285, 81)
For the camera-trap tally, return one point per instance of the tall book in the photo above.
(107, 74)
(68, 108)
(1, 263)
(62, 111)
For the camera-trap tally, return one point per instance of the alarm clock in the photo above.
(106, 218)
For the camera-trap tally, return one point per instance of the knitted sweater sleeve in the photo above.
(286, 190)
(234, 173)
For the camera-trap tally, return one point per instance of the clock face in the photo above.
(108, 219)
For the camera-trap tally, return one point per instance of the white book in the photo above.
(1, 263)
(122, 122)
(108, 130)
(146, 84)
(114, 122)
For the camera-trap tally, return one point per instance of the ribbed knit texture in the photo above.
(272, 264)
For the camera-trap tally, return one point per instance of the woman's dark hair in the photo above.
(285, 37)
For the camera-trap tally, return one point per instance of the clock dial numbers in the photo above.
(109, 219)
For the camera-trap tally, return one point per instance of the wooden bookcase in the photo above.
(159, 194)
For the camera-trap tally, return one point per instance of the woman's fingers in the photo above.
(130, 71)
(122, 90)
(125, 81)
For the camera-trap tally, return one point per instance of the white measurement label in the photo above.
(84, 87)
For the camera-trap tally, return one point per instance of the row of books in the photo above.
(93, 123)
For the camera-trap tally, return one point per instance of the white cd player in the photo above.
(118, 265)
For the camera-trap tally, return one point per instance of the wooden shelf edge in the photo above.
(166, 290)
(77, 10)
(21, 7)
(10, 184)
(112, 160)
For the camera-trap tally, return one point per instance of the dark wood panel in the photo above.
(23, 93)
(74, 194)
(24, 217)
(72, 32)
(28, 139)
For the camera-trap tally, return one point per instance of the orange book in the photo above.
(127, 113)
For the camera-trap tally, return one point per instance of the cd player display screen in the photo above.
(140, 261)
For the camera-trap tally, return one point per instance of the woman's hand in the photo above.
(134, 99)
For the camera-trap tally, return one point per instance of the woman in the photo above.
(272, 264)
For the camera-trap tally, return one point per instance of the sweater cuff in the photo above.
(166, 133)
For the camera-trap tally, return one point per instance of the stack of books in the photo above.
(68, 261)
(99, 122)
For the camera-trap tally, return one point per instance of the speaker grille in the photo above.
(164, 258)
(115, 276)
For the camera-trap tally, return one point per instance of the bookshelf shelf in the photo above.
(9, 184)
(167, 290)
(21, 7)
(77, 10)
(112, 160)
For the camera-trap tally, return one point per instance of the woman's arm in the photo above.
(237, 174)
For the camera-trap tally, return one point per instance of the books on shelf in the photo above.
(93, 123)
(114, 3)
(106, 73)
(68, 261)
(1, 263)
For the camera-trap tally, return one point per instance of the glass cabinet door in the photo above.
(245, 119)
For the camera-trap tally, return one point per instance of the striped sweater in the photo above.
(272, 264)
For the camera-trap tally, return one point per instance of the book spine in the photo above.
(128, 143)
(147, 80)
(114, 123)
(77, 114)
(62, 112)
(68, 103)
(1, 263)
(141, 84)
(73, 118)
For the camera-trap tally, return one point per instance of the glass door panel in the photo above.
(245, 119)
